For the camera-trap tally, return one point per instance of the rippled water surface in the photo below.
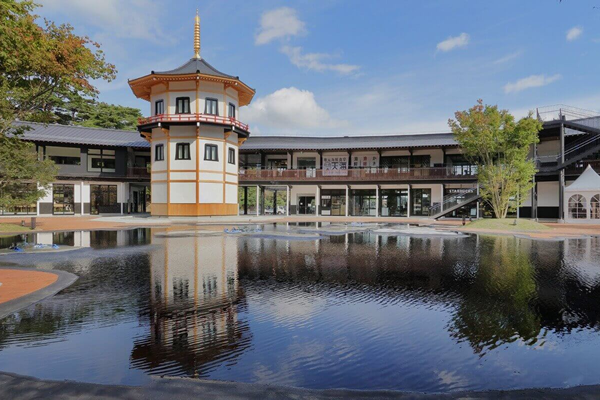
(357, 310)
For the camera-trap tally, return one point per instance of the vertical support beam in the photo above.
(197, 157)
(245, 200)
(477, 214)
(377, 200)
(80, 198)
(442, 186)
(122, 195)
(275, 201)
(409, 202)
(561, 196)
(287, 201)
(257, 200)
(347, 199)
(562, 144)
(318, 201)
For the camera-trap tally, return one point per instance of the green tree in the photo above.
(111, 116)
(499, 146)
(41, 69)
(23, 178)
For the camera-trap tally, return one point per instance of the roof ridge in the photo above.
(76, 126)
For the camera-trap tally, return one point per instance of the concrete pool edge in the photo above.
(21, 387)
(64, 280)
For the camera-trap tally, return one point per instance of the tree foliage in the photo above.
(18, 163)
(110, 116)
(499, 146)
(42, 69)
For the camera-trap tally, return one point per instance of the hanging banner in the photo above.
(335, 165)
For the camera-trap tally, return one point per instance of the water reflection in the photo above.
(498, 304)
(357, 310)
(193, 311)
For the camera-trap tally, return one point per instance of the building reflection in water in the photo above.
(194, 303)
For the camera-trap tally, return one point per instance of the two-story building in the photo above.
(101, 171)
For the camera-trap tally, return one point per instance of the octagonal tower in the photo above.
(195, 135)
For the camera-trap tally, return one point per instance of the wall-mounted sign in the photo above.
(335, 165)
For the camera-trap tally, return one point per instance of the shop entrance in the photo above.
(306, 205)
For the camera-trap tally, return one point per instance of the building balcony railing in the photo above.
(208, 118)
(362, 174)
(138, 172)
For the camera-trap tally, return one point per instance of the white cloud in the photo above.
(314, 61)
(279, 23)
(508, 57)
(530, 82)
(454, 42)
(288, 110)
(574, 33)
(137, 19)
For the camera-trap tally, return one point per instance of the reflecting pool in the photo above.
(355, 310)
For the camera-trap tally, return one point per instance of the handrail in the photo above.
(452, 198)
(209, 118)
(362, 174)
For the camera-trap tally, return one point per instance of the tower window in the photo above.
(211, 152)
(159, 107)
(231, 112)
(182, 105)
(159, 152)
(211, 107)
(231, 156)
(182, 151)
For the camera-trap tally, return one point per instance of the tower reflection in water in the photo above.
(194, 299)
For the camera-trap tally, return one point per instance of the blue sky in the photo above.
(334, 67)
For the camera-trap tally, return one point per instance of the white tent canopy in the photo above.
(588, 181)
(582, 198)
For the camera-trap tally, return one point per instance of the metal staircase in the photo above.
(575, 151)
(453, 202)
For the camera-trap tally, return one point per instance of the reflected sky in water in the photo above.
(359, 310)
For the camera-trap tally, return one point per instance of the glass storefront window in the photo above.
(421, 201)
(394, 202)
(363, 203)
(333, 202)
(103, 199)
(63, 198)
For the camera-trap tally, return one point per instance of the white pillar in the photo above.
(377, 201)
(257, 200)
(408, 205)
(81, 202)
(347, 199)
(442, 197)
(318, 201)
(122, 196)
(287, 201)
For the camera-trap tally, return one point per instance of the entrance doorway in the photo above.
(306, 205)
(140, 199)
(421, 201)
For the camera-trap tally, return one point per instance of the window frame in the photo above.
(231, 155)
(231, 108)
(210, 100)
(208, 155)
(162, 107)
(183, 100)
(162, 152)
(184, 149)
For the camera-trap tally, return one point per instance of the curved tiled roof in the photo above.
(195, 66)
(349, 142)
(69, 134)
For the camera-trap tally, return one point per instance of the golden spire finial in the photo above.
(197, 36)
